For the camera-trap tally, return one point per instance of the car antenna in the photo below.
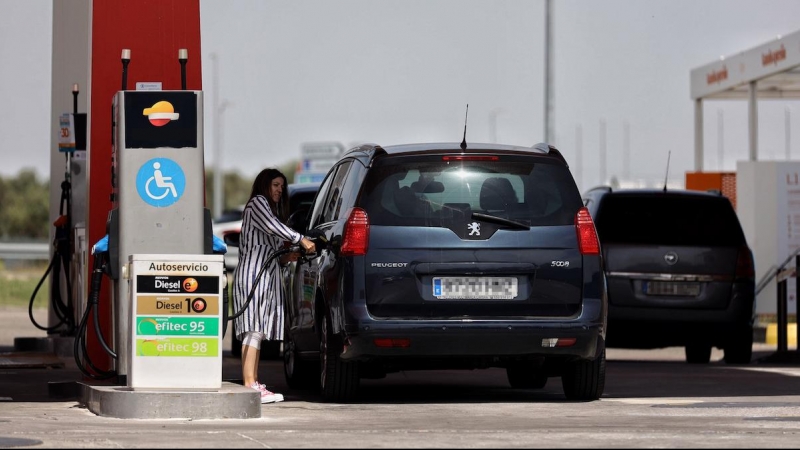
(464, 141)
(666, 177)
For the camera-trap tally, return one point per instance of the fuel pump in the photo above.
(158, 216)
(65, 268)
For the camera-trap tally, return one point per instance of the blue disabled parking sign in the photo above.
(160, 182)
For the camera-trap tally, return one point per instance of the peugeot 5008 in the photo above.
(443, 257)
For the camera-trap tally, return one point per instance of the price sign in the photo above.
(66, 133)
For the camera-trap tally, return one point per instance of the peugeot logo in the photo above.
(671, 258)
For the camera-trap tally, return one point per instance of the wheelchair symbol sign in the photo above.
(160, 182)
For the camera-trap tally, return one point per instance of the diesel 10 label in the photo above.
(177, 304)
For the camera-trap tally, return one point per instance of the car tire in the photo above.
(299, 374)
(585, 379)
(739, 348)
(523, 375)
(698, 353)
(339, 380)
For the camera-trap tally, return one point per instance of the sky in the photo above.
(393, 72)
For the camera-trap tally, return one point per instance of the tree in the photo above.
(237, 188)
(24, 214)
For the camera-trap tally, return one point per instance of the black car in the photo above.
(443, 258)
(301, 196)
(679, 271)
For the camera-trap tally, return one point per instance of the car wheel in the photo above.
(698, 353)
(523, 375)
(585, 379)
(339, 380)
(299, 374)
(739, 348)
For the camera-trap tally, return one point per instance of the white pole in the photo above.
(752, 121)
(579, 155)
(549, 115)
(626, 150)
(218, 188)
(493, 124)
(602, 151)
(788, 129)
(698, 135)
(720, 140)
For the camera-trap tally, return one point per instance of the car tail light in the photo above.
(470, 158)
(356, 234)
(744, 263)
(588, 243)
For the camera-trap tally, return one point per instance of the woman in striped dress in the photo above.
(263, 233)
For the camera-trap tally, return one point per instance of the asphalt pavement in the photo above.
(652, 398)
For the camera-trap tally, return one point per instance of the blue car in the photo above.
(443, 257)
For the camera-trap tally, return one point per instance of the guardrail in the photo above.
(24, 251)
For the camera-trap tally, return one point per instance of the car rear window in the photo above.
(429, 191)
(662, 219)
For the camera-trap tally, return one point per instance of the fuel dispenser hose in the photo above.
(100, 267)
(320, 242)
(60, 261)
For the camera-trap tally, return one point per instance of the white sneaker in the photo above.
(267, 396)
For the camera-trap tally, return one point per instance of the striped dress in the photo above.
(262, 235)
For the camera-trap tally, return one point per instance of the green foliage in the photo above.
(237, 188)
(17, 287)
(24, 207)
(25, 201)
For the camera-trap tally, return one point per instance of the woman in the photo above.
(263, 233)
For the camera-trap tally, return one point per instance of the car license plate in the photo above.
(671, 288)
(477, 288)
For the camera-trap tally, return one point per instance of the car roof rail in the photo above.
(550, 150)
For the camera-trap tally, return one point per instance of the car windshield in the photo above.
(668, 220)
(431, 191)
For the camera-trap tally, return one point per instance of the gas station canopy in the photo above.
(768, 71)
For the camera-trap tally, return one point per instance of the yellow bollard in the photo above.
(772, 334)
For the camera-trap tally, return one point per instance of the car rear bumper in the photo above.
(474, 337)
(648, 327)
(740, 310)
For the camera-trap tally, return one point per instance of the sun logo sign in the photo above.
(161, 113)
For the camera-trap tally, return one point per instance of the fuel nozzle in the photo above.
(319, 239)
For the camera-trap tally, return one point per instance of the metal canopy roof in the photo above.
(774, 65)
(768, 71)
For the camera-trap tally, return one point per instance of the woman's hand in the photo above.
(289, 257)
(308, 245)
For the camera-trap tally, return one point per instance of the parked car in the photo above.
(301, 196)
(230, 221)
(443, 258)
(679, 271)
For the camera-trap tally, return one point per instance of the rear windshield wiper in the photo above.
(500, 220)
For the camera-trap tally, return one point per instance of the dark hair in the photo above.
(261, 186)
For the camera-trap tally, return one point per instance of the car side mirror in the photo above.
(232, 238)
(298, 220)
